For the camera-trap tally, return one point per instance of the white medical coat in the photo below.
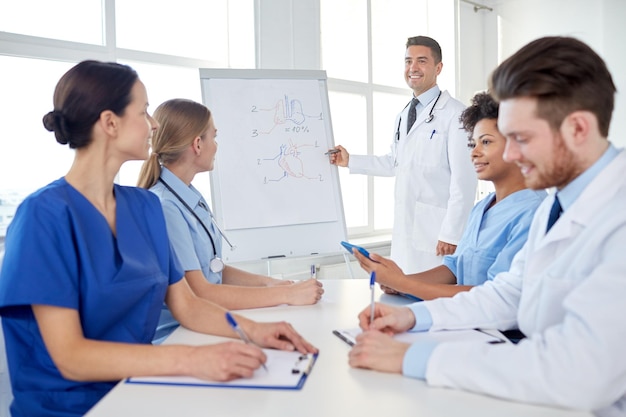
(435, 186)
(565, 290)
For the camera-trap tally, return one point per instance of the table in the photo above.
(332, 389)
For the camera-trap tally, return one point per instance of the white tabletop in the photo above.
(332, 388)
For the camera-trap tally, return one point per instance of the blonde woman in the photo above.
(183, 146)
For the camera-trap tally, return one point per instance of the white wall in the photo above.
(477, 47)
(598, 23)
(288, 35)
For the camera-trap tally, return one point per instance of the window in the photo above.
(166, 45)
(26, 145)
(362, 50)
(55, 19)
(191, 29)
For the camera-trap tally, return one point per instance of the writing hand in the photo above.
(305, 292)
(388, 319)
(378, 351)
(340, 158)
(224, 361)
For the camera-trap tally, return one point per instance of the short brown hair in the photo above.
(563, 74)
(428, 42)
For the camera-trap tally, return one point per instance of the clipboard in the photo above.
(285, 371)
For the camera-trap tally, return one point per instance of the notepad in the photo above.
(349, 336)
(285, 370)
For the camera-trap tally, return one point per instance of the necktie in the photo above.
(412, 114)
(555, 212)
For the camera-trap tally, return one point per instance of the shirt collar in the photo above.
(189, 194)
(569, 194)
(426, 97)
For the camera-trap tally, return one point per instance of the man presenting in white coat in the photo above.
(435, 181)
(566, 286)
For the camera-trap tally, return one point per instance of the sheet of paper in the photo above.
(349, 336)
(284, 370)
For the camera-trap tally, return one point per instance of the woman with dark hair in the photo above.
(496, 229)
(88, 265)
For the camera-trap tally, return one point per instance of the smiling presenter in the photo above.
(435, 181)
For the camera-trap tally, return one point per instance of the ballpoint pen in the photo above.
(233, 323)
(372, 282)
(313, 271)
(332, 151)
(432, 134)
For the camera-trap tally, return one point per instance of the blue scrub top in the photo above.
(493, 236)
(60, 251)
(190, 241)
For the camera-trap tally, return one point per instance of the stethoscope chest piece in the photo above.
(429, 118)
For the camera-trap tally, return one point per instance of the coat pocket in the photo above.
(427, 223)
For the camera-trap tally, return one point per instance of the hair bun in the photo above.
(54, 121)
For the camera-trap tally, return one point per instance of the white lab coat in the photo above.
(566, 291)
(435, 183)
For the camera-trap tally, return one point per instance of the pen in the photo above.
(332, 152)
(233, 323)
(313, 271)
(432, 134)
(372, 282)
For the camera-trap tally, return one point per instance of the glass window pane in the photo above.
(30, 156)
(195, 29)
(54, 19)
(344, 39)
(386, 108)
(155, 77)
(392, 23)
(348, 112)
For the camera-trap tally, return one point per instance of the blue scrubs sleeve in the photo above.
(515, 241)
(42, 254)
(450, 261)
(177, 272)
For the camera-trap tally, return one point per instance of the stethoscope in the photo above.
(216, 265)
(428, 119)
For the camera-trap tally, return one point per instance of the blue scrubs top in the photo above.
(60, 251)
(493, 236)
(190, 242)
